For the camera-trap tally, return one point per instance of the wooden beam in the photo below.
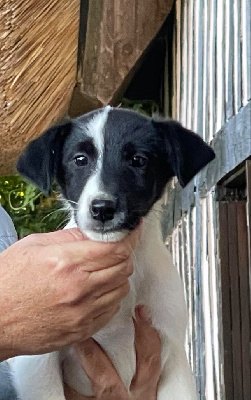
(118, 33)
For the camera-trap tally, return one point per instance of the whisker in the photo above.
(72, 201)
(63, 223)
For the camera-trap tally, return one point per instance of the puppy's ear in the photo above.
(187, 153)
(38, 162)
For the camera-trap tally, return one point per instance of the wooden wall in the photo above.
(210, 94)
(212, 62)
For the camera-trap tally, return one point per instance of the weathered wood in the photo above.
(235, 299)
(248, 180)
(212, 71)
(226, 300)
(206, 303)
(205, 98)
(229, 53)
(220, 66)
(198, 67)
(237, 56)
(200, 329)
(232, 146)
(178, 58)
(211, 82)
(244, 297)
(246, 50)
(215, 295)
(118, 32)
(184, 65)
(190, 75)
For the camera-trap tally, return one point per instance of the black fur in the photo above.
(162, 148)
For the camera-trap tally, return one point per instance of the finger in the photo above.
(112, 297)
(106, 384)
(89, 256)
(71, 394)
(107, 254)
(148, 352)
(62, 236)
(102, 319)
(108, 279)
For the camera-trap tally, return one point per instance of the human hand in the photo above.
(106, 383)
(59, 288)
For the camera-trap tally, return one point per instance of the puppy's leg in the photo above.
(38, 377)
(177, 382)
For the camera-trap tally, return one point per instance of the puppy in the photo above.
(112, 166)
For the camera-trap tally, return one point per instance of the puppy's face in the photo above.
(112, 165)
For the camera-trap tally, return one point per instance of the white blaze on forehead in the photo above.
(94, 188)
(95, 129)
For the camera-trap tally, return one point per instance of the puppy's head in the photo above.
(112, 165)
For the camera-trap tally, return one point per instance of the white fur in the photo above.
(155, 283)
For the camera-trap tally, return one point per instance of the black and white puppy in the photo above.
(112, 166)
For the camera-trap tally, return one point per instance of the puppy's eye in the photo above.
(80, 161)
(138, 161)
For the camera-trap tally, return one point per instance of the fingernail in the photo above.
(143, 312)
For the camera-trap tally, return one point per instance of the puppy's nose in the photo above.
(103, 210)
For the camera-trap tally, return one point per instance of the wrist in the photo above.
(6, 343)
(7, 334)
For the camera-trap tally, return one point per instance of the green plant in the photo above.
(146, 107)
(29, 209)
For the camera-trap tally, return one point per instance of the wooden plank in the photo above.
(193, 262)
(248, 180)
(178, 57)
(237, 55)
(190, 75)
(174, 72)
(205, 99)
(226, 300)
(211, 69)
(206, 304)
(190, 288)
(183, 247)
(184, 46)
(235, 299)
(215, 289)
(220, 66)
(198, 66)
(244, 296)
(246, 50)
(229, 52)
(200, 342)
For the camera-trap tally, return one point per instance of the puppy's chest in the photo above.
(117, 337)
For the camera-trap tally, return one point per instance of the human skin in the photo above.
(106, 383)
(59, 288)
